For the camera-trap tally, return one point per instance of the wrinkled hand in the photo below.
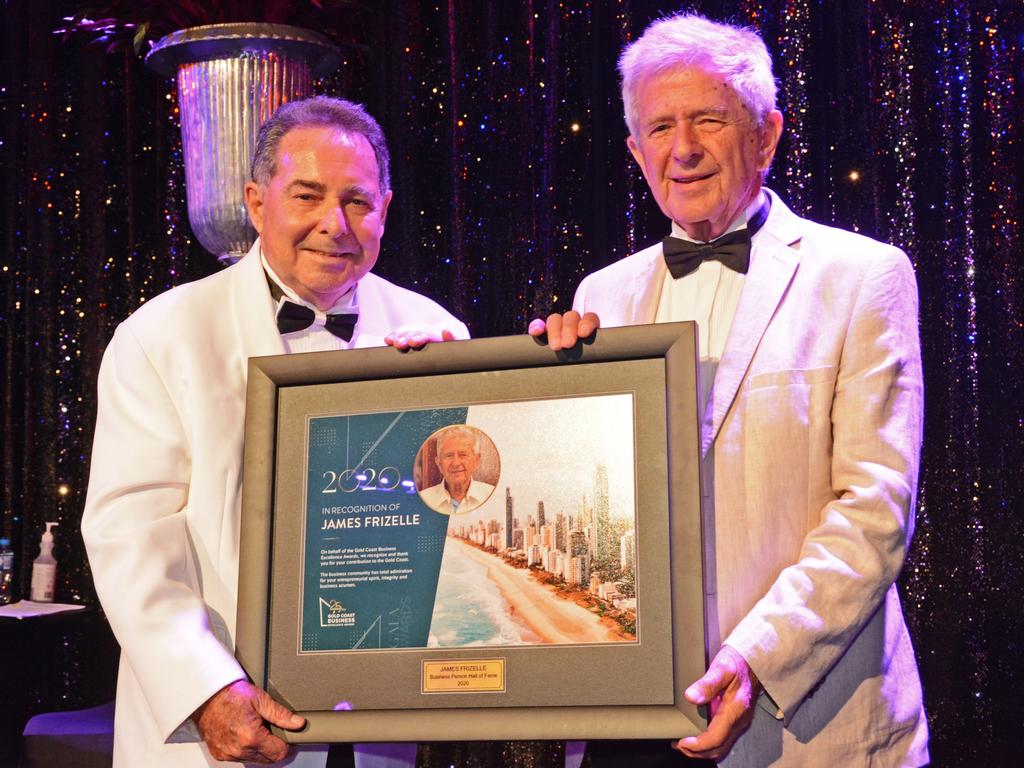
(233, 721)
(731, 688)
(410, 339)
(564, 330)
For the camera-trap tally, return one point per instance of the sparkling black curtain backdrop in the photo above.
(512, 180)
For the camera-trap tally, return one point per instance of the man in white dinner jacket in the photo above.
(161, 522)
(812, 407)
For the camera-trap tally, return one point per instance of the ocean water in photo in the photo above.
(470, 610)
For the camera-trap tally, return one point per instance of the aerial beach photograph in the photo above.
(550, 557)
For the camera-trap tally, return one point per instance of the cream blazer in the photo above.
(161, 520)
(811, 439)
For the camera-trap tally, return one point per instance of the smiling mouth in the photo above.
(331, 254)
(692, 179)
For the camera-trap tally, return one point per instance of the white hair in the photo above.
(738, 54)
(457, 431)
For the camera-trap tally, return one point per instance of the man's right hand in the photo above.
(564, 330)
(233, 722)
(406, 338)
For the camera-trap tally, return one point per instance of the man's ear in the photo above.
(385, 201)
(254, 204)
(634, 150)
(771, 131)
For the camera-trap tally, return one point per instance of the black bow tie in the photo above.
(293, 317)
(684, 256)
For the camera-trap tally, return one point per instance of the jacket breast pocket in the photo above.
(787, 436)
(793, 377)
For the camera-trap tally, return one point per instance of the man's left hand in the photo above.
(233, 723)
(565, 330)
(731, 689)
(416, 339)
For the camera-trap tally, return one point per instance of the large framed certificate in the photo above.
(476, 540)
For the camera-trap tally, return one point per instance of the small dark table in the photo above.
(57, 662)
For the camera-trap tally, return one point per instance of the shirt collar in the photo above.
(470, 495)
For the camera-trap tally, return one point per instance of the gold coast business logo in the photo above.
(334, 614)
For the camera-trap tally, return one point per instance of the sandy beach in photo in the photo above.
(553, 619)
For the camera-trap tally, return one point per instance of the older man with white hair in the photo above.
(811, 390)
(458, 456)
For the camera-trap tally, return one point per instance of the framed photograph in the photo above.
(477, 540)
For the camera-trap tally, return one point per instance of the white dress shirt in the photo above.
(709, 295)
(437, 498)
(316, 338)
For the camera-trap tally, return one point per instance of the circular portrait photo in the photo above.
(456, 469)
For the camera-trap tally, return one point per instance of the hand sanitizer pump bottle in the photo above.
(44, 569)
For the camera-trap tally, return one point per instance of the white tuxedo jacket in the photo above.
(810, 438)
(161, 521)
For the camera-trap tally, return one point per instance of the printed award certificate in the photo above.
(455, 528)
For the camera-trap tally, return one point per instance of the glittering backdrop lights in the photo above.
(511, 181)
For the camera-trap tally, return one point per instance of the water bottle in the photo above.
(6, 571)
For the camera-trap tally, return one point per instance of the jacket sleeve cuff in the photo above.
(187, 731)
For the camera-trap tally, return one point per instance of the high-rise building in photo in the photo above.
(552, 561)
(576, 572)
(627, 548)
(509, 527)
(577, 544)
(602, 530)
(518, 539)
(533, 555)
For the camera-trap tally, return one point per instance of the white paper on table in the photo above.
(24, 609)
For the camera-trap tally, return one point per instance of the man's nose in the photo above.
(334, 223)
(686, 147)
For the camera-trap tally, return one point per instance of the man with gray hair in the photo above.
(811, 394)
(458, 456)
(161, 521)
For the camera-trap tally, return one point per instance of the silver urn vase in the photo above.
(231, 78)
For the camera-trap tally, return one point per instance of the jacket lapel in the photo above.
(252, 310)
(642, 298)
(773, 263)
